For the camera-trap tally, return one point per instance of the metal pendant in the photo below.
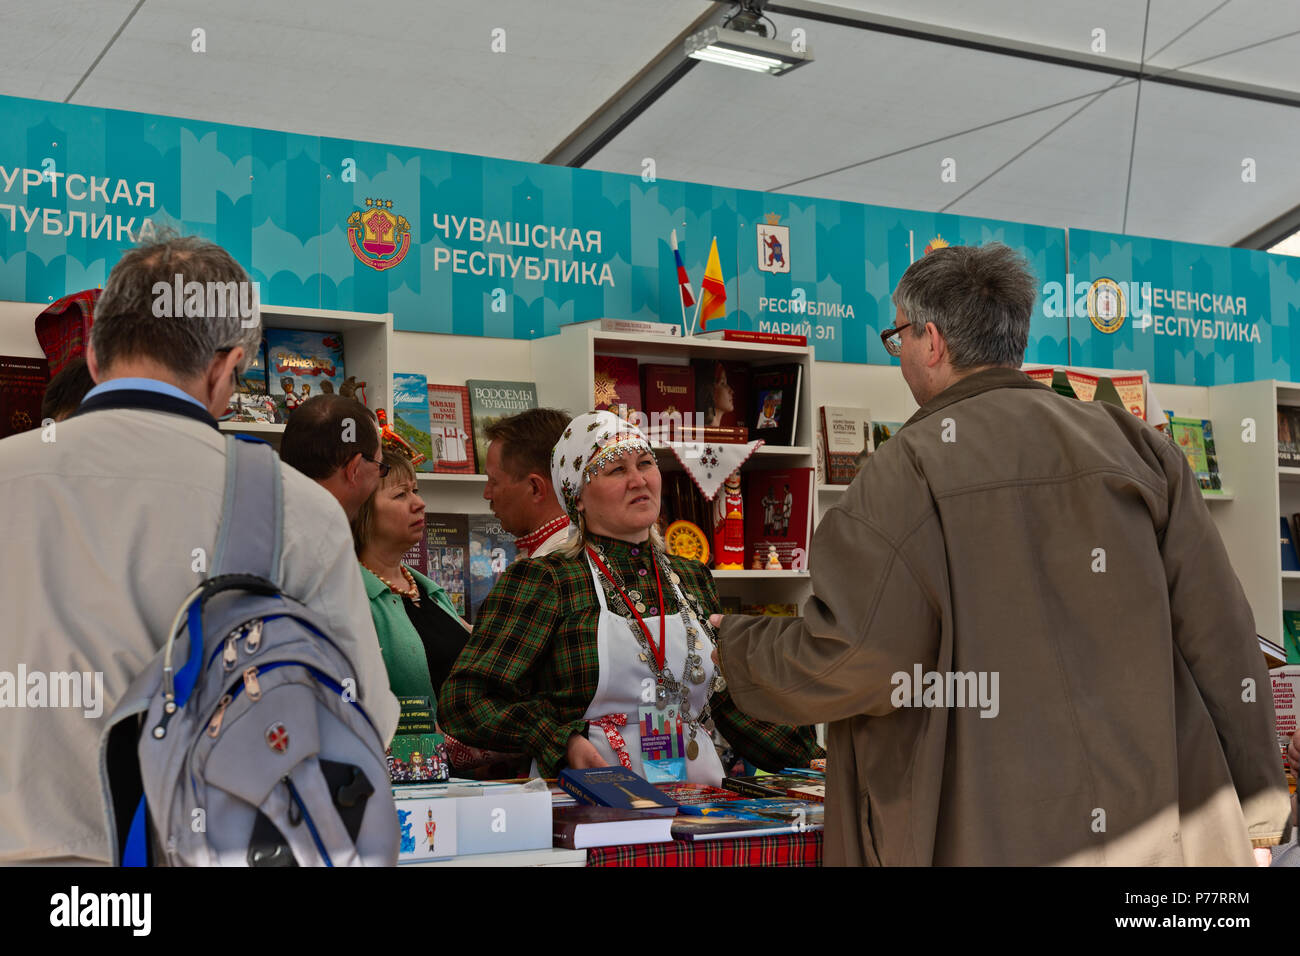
(675, 578)
(641, 658)
(640, 608)
(719, 684)
(661, 697)
(697, 675)
(634, 595)
(692, 750)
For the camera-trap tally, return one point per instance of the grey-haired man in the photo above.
(111, 519)
(1025, 633)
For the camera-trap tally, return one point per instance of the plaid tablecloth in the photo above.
(786, 849)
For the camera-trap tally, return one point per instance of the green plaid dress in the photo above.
(530, 669)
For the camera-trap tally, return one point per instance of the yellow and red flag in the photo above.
(713, 291)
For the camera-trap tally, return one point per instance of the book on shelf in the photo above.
(1285, 683)
(881, 432)
(721, 397)
(819, 458)
(491, 549)
(1288, 436)
(300, 365)
(22, 388)
(1290, 559)
(491, 401)
(846, 433)
(411, 416)
(451, 430)
(760, 338)
(614, 787)
(793, 786)
(778, 518)
(617, 386)
(1195, 438)
(668, 392)
(774, 406)
(251, 402)
(446, 538)
(582, 826)
(634, 327)
(417, 555)
(1291, 636)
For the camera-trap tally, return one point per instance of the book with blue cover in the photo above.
(411, 416)
(1290, 560)
(614, 787)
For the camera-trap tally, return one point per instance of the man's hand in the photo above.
(1263, 856)
(582, 754)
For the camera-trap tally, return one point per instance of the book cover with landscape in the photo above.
(251, 401)
(490, 401)
(411, 414)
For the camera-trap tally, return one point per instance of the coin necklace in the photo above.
(665, 682)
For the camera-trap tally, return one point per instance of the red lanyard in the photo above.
(657, 651)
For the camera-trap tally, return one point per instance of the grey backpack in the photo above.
(243, 737)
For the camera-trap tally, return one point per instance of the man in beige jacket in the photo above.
(111, 520)
(1025, 633)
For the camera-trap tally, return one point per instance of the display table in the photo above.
(786, 849)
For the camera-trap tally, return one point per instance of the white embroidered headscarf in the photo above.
(590, 441)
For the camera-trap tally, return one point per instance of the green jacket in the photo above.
(400, 644)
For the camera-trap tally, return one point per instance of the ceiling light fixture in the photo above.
(743, 41)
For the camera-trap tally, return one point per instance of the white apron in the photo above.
(621, 675)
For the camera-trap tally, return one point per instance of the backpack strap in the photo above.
(252, 514)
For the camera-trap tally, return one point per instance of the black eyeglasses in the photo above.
(384, 467)
(892, 338)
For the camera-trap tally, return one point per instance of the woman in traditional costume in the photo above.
(601, 654)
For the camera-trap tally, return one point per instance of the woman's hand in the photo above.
(582, 754)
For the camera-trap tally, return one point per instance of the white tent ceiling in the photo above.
(1041, 127)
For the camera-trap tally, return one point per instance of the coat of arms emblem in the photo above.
(378, 237)
(773, 245)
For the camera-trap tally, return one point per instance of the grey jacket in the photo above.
(1064, 548)
(107, 528)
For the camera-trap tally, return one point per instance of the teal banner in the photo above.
(1188, 314)
(462, 244)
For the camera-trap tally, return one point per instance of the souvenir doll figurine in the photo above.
(729, 526)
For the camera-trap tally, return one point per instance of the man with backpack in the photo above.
(112, 519)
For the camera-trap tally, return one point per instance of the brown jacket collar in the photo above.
(974, 384)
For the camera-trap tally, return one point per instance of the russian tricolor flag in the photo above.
(688, 297)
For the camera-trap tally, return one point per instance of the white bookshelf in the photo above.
(1263, 492)
(367, 339)
(563, 366)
